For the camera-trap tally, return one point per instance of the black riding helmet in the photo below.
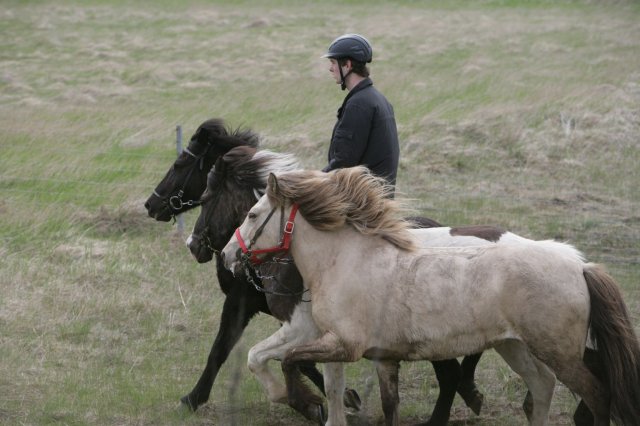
(350, 46)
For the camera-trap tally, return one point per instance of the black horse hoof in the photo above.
(352, 399)
(471, 396)
(186, 402)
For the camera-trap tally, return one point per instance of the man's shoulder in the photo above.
(368, 94)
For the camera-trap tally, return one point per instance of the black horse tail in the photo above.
(616, 343)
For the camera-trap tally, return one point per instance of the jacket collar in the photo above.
(358, 87)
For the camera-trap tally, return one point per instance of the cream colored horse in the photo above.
(301, 328)
(534, 304)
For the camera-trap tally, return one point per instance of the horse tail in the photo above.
(616, 343)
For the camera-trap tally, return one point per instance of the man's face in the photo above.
(334, 69)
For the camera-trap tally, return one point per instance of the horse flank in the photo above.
(351, 196)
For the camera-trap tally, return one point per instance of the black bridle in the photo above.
(175, 203)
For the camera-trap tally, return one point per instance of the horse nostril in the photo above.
(222, 256)
(147, 205)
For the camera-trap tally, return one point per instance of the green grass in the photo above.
(104, 316)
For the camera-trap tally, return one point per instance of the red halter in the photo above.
(282, 247)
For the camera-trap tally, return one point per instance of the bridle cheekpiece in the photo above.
(286, 229)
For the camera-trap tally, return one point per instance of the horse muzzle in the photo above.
(198, 249)
(232, 259)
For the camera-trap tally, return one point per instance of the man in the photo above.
(365, 133)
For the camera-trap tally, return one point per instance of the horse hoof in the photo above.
(352, 399)
(186, 402)
(471, 396)
(476, 403)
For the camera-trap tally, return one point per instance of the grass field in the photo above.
(524, 114)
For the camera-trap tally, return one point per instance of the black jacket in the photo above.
(365, 133)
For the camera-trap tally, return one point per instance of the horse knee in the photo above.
(254, 362)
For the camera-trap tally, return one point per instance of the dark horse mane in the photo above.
(250, 168)
(226, 138)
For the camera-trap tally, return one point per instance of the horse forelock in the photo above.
(352, 196)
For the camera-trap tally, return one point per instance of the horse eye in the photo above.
(252, 215)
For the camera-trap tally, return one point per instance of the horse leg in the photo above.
(448, 374)
(351, 399)
(539, 378)
(237, 311)
(325, 349)
(388, 381)
(334, 383)
(298, 330)
(594, 393)
(467, 386)
(299, 396)
(270, 348)
(582, 415)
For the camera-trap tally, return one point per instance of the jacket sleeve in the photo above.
(350, 137)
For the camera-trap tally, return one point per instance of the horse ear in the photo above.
(220, 166)
(272, 181)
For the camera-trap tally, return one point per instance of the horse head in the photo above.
(229, 194)
(261, 233)
(186, 180)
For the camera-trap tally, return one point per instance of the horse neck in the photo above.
(317, 252)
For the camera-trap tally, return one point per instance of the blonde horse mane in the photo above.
(350, 196)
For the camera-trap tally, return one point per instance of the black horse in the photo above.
(181, 189)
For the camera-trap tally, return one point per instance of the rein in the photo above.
(251, 273)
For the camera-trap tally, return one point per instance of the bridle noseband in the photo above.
(175, 202)
(286, 230)
(250, 257)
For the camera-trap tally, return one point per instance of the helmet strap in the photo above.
(343, 83)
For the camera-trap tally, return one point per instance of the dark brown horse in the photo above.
(181, 189)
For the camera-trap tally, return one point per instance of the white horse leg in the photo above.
(334, 387)
(388, 381)
(270, 348)
(326, 349)
(539, 378)
(298, 330)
